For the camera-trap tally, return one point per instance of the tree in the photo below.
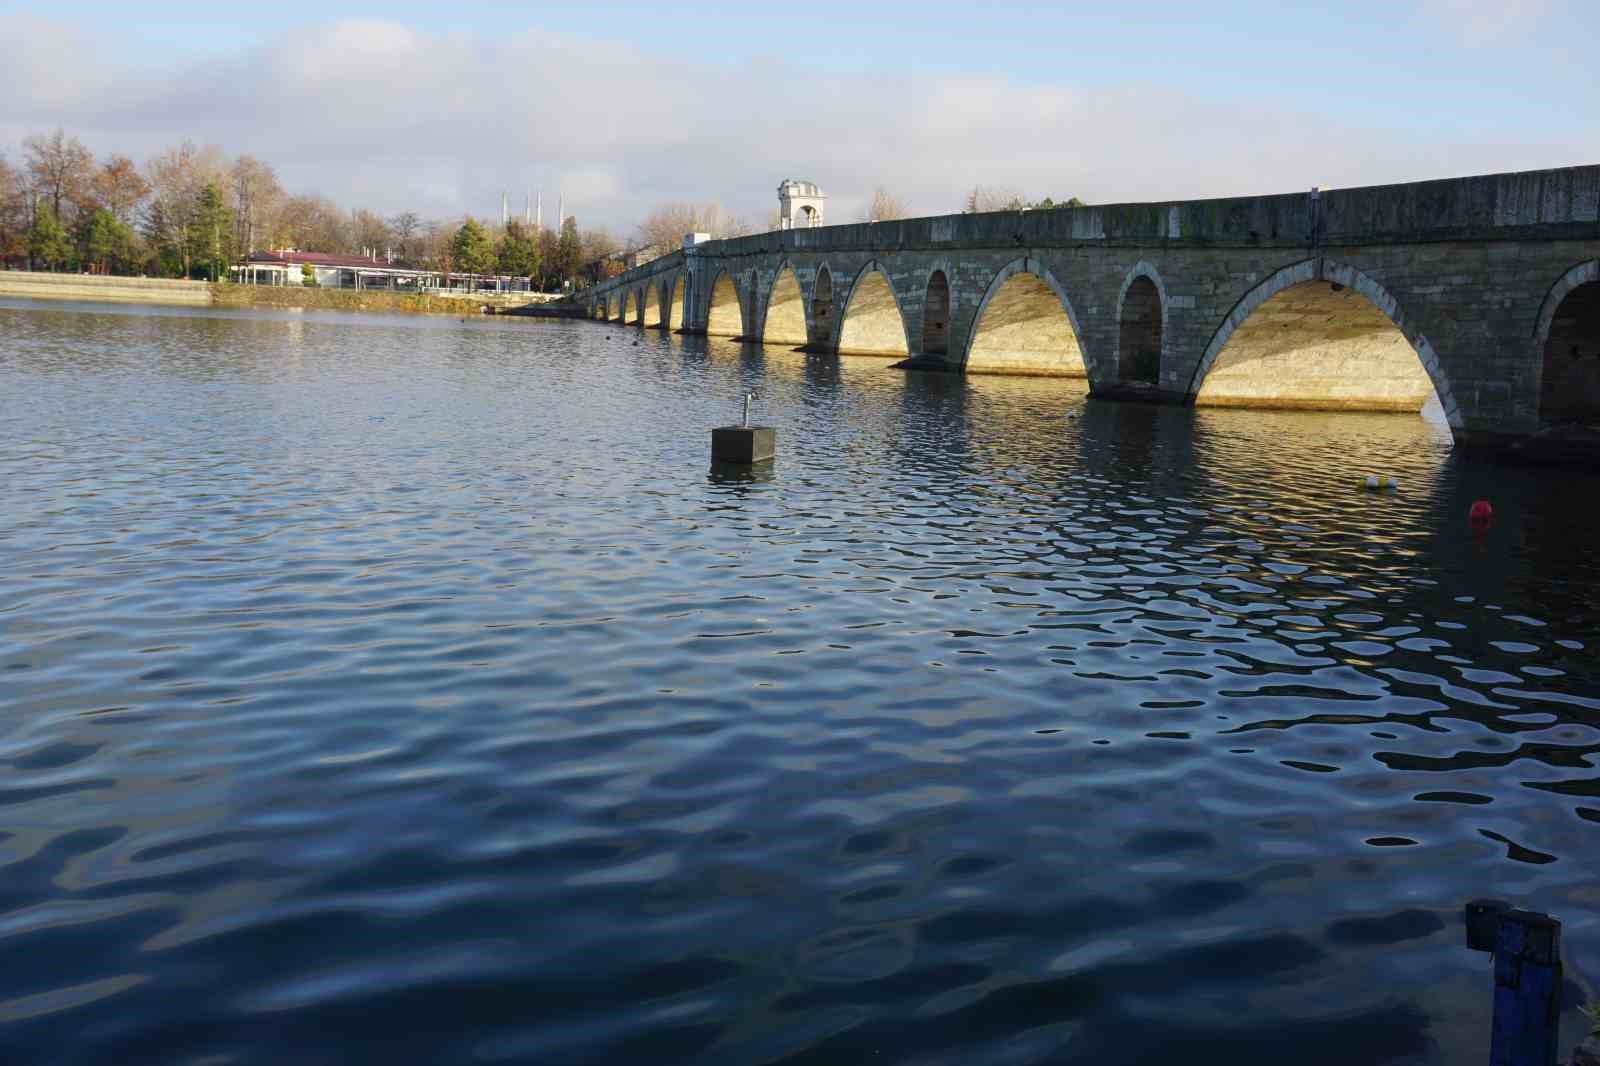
(885, 206)
(471, 250)
(211, 232)
(119, 189)
(371, 234)
(994, 198)
(308, 275)
(47, 240)
(60, 168)
(569, 251)
(518, 252)
(257, 197)
(313, 224)
(664, 227)
(13, 215)
(177, 178)
(407, 229)
(104, 240)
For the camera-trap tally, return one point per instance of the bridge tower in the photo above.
(799, 204)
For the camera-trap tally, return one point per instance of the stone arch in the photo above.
(936, 305)
(872, 322)
(1566, 349)
(1025, 325)
(674, 318)
(1141, 326)
(725, 309)
(630, 306)
(785, 322)
(650, 317)
(613, 307)
(1344, 331)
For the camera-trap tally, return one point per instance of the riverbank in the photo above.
(39, 285)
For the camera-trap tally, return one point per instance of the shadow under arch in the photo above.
(785, 323)
(651, 318)
(872, 322)
(1142, 326)
(630, 307)
(1566, 348)
(1308, 368)
(725, 309)
(674, 315)
(1025, 324)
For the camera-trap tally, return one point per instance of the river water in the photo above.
(380, 690)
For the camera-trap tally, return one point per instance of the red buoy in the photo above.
(1480, 513)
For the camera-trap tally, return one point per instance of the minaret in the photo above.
(527, 207)
(538, 212)
(505, 215)
(561, 210)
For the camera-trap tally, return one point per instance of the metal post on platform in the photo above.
(1526, 946)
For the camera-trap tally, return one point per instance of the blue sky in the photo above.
(1148, 97)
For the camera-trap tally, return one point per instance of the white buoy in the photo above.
(1372, 482)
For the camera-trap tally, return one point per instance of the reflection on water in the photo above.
(411, 690)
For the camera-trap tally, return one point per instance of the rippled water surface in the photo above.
(409, 690)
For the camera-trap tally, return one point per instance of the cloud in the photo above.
(377, 114)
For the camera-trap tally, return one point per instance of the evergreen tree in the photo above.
(518, 253)
(471, 251)
(308, 275)
(211, 233)
(569, 251)
(103, 240)
(47, 240)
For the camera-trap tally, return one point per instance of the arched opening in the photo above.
(1023, 328)
(1569, 388)
(822, 303)
(1316, 345)
(630, 308)
(675, 305)
(872, 322)
(651, 318)
(1139, 335)
(786, 312)
(613, 307)
(724, 317)
(936, 316)
(808, 216)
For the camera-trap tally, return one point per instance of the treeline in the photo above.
(191, 211)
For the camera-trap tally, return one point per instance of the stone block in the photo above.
(743, 445)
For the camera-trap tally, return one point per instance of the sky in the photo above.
(616, 107)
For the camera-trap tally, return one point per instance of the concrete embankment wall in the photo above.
(342, 300)
(38, 285)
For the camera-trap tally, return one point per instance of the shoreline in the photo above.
(39, 285)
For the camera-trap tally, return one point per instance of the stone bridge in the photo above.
(1481, 292)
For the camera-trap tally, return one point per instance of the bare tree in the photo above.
(119, 188)
(13, 213)
(313, 224)
(407, 230)
(884, 207)
(60, 168)
(663, 229)
(994, 198)
(257, 197)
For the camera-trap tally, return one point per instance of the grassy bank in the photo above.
(340, 300)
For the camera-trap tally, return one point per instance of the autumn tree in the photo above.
(371, 234)
(471, 250)
(993, 198)
(312, 224)
(518, 251)
(884, 207)
(60, 168)
(664, 228)
(119, 188)
(177, 179)
(13, 214)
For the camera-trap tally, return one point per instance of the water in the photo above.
(409, 690)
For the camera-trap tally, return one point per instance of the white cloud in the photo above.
(376, 114)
